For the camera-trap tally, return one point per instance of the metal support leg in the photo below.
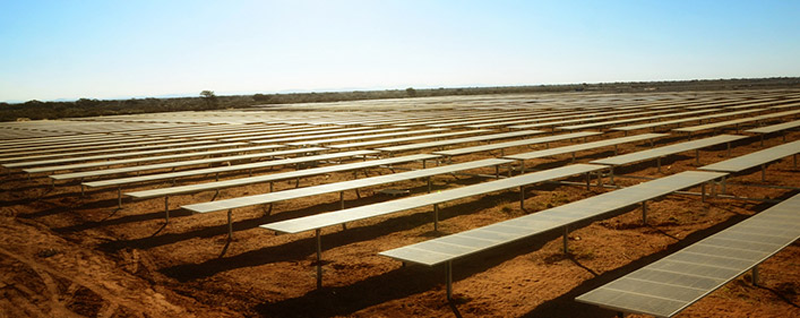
(319, 259)
(755, 275)
(703, 194)
(430, 185)
(83, 191)
(436, 217)
(729, 149)
(588, 181)
(658, 162)
(600, 179)
(449, 279)
(522, 198)
(119, 197)
(497, 172)
(611, 175)
(723, 185)
(566, 240)
(697, 156)
(616, 148)
(230, 225)
(341, 200)
(166, 208)
(763, 172)
(644, 212)
(573, 157)
(522, 166)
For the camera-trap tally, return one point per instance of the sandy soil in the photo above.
(69, 256)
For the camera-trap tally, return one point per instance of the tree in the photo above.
(209, 97)
(261, 97)
(411, 91)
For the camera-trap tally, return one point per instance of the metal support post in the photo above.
(230, 225)
(755, 275)
(119, 197)
(435, 217)
(83, 191)
(430, 185)
(703, 194)
(763, 172)
(723, 185)
(658, 162)
(319, 258)
(522, 166)
(522, 198)
(449, 279)
(588, 180)
(697, 156)
(341, 200)
(644, 212)
(166, 208)
(616, 148)
(566, 239)
(611, 174)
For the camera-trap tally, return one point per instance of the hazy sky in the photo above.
(120, 49)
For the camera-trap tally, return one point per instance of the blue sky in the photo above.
(120, 49)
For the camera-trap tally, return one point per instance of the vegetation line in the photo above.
(207, 100)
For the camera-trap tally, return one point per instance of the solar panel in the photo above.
(337, 134)
(132, 146)
(407, 139)
(126, 154)
(584, 119)
(107, 140)
(362, 137)
(684, 120)
(583, 146)
(175, 164)
(554, 116)
(259, 179)
(338, 187)
(295, 133)
(755, 159)
(94, 164)
(353, 214)
(451, 247)
(667, 150)
(516, 143)
(775, 128)
(670, 285)
(460, 141)
(631, 120)
(736, 121)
